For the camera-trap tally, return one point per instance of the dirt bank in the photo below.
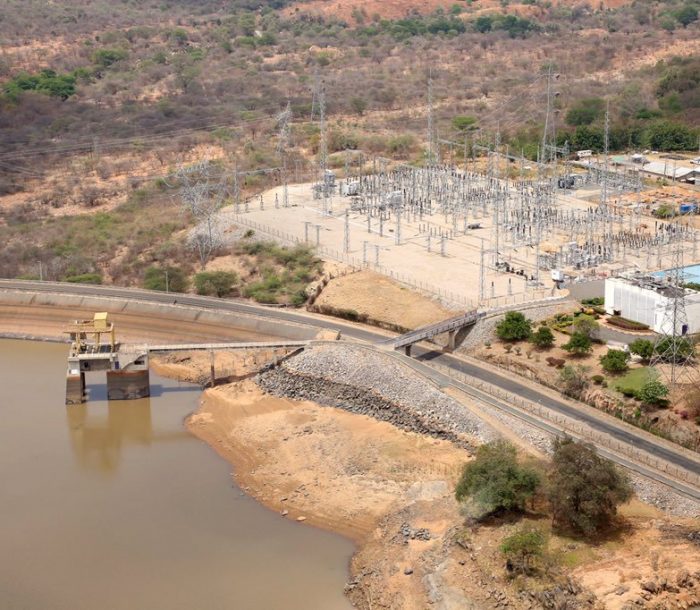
(390, 490)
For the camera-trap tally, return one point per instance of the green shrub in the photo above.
(215, 283)
(522, 548)
(107, 57)
(543, 337)
(514, 327)
(84, 278)
(171, 279)
(652, 392)
(628, 392)
(586, 325)
(598, 379)
(579, 344)
(675, 348)
(621, 322)
(615, 361)
(642, 348)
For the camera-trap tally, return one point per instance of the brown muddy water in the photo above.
(113, 505)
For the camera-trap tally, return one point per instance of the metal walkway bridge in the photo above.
(452, 326)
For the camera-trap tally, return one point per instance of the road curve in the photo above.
(601, 423)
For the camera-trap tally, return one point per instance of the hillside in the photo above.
(101, 101)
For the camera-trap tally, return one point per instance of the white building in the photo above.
(646, 299)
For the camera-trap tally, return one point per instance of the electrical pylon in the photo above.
(673, 349)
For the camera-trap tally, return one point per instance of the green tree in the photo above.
(686, 14)
(522, 548)
(495, 481)
(247, 23)
(358, 105)
(483, 23)
(642, 348)
(171, 279)
(652, 392)
(579, 344)
(463, 123)
(574, 380)
(588, 138)
(47, 81)
(543, 337)
(514, 327)
(665, 135)
(675, 348)
(586, 325)
(615, 361)
(585, 111)
(215, 283)
(107, 57)
(179, 36)
(585, 489)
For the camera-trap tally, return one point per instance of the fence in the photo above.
(446, 296)
(572, 427)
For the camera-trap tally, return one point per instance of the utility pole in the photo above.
(346, 232)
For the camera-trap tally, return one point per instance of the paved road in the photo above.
(503, 405)
(606, 424)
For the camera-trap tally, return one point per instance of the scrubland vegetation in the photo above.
(100, 102)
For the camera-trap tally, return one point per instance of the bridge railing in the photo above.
(426, 332)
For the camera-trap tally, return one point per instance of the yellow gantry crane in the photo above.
(87, 335)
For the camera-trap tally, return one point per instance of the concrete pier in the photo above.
(75, 388)
(128, 385)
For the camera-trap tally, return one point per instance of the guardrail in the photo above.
(571, 426)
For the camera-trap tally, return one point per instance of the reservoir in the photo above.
(114, 505)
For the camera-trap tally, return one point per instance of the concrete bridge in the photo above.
(456, 329)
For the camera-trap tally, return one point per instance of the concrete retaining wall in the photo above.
(47, 314)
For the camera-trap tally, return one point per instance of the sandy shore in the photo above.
(390, 491)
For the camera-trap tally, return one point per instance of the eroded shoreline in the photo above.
(344, 462)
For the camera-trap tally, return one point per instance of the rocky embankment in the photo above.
(369, 383)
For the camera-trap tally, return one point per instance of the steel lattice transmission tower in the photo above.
(284, 119)
(320, 103)
(432, 153)
(673, 349)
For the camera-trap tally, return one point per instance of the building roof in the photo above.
(669, 170)
(655, 284)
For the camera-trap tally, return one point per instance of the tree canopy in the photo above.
(642, 348)
(495, 481)
(585, 111)
(579, 344)
(543, 337)
(615, 361)
(514, 327)
(585, 489)
(522, 547)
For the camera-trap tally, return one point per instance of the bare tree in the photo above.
(202, 194)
